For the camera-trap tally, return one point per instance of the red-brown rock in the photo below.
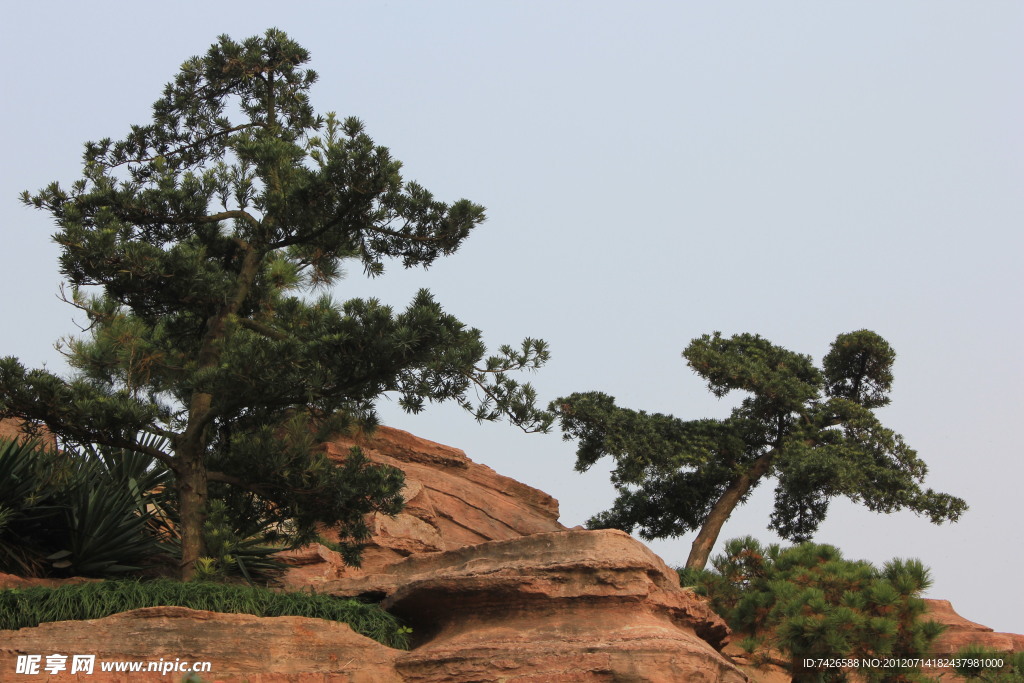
(14, 429)
(239, 647)
(451, 502)
(565, 606)
(960, 632)
(12, 581)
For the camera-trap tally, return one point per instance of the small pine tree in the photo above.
(809, 602)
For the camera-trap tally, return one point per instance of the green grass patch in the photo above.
(20, 608)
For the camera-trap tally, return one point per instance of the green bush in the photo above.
(20, 608)
(976, 665)
(807, 601)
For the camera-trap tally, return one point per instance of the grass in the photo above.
(20, 608)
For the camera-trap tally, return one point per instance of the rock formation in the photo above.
(960, 632)
(239, 647)
(493, 586)
(573, 605)
(451, 502)
(13, 429)
(562, 606)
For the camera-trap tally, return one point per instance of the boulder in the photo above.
(563, 606)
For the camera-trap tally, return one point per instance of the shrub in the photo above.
(978, 663)
(807, 601)
(103, 512)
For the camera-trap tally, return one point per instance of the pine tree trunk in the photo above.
(190, 448)
(700, 551)
(192, 494)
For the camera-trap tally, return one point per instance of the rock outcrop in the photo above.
(451, 502)
(566, 606)
(238, 647)
(563, 606)
(493, 586)
(14, 429)
(961, 632)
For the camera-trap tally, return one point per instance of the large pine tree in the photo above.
(814, 431)
(195, 246)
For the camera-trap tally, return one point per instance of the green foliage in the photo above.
(27, 484)
(197, 248)
(810, 602)
(21, 608)
(244, 546)
(814, 431)
(979, 663)
(88, 513)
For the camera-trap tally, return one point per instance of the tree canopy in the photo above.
(199, 248)
(813, 430)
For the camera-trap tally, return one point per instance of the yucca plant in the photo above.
(27, 489)
(84, 512)
(109, 512)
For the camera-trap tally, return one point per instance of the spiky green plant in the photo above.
(27, 486)
(86, 512)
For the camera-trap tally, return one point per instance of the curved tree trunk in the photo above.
(700, 551)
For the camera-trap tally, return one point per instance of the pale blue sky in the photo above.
(652, 172)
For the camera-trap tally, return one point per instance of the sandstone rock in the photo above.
(769, 666)
(11, 428)
(960, 632)
(12, 581)
(239, 647)
(451, 502)
(565, 606)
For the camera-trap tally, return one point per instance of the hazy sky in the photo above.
(652, 172)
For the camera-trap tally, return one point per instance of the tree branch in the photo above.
(181, 150)
(260, 328)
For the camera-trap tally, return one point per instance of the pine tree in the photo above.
(814, 431)
(195, 247)
(809, 602)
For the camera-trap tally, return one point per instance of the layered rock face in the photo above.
(563, 606)
(451, 502)
(238, 647)
(493, 586)
(568, 606)
(960, 632)
(571, 605)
